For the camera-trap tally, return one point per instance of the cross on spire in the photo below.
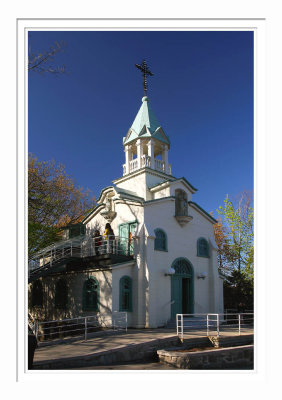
(145, 70)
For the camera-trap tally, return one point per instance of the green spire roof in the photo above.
(146, 125)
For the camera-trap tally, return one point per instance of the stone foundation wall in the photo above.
(227, 358)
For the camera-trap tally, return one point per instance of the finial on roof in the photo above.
(145, 71)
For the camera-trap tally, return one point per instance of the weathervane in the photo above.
(145, 70)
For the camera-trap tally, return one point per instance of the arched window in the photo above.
(202, 248)
(160, 240)
(61, 294)
(182, 267)
(37, 294)
(125, 294)
(181, 205)
(90, 295)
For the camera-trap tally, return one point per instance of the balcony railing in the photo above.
(79, 247)
(145, 162)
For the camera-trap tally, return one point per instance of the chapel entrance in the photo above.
(126, 231)
(182, 294)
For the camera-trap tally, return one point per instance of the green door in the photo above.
(132, 228)
(182, 291)
(126, 231)
(176, 295)
(123, 238)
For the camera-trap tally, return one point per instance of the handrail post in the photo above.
(207, 324)
(217, 324)
(182, 330)
(239, 318)
(85, 327)
(177, 324)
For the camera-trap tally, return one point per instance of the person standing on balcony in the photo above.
(110, 236)
(97, 242)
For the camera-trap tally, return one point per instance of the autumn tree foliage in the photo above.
(53, 202)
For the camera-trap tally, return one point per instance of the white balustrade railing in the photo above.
(145, 161)
(159, 165)
(133, 165)
(214, 324)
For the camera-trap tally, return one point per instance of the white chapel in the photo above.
(159, 260)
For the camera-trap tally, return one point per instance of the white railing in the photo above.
(133, 165)
(159, 165)
(80, 326)
(214, 324)
(80, 247)
(145, 162)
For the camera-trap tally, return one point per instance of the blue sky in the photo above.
(201, 93)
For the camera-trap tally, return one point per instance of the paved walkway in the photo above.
(100, 343)
(73, 351)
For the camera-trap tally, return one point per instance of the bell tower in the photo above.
(146, 144)
(146, 149)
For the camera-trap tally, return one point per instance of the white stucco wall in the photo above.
(125, 213)
(140, 183)
(182, 242)
(118, 272)
(151, 288)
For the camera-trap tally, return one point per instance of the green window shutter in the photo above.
(90, 295)
(37, 294)
(61, 294)
(125, 294)
(202, 248)
(160, 240)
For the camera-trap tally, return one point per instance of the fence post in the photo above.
(217, 324)
(85, 327)
(239, 318)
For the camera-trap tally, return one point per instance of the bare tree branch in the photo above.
(42, 62)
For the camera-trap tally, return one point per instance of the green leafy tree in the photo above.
(238, 292)
(53, 202)
(235, 240)
(239, 230)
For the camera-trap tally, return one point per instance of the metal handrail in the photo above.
(214, 323)
(82, 246)
(48, 330)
